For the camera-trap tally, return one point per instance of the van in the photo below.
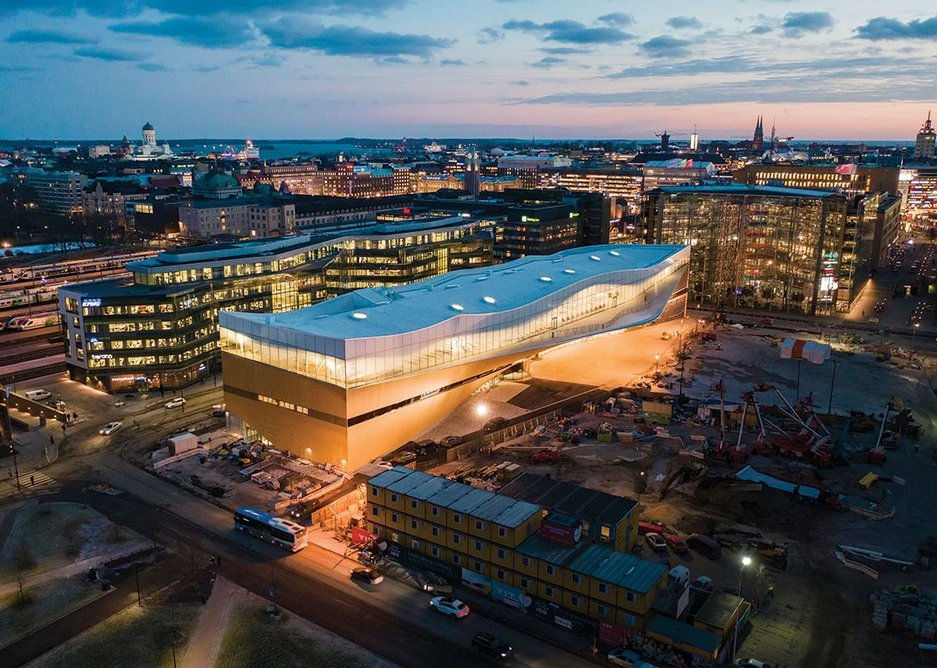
(705, 545)
(37, 395)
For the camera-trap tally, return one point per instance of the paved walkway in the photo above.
(209, 629)
(70, 569)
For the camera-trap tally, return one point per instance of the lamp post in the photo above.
(829, 409)
(656, 363)
(746, 561)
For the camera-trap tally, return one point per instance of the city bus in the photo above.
(268, 528)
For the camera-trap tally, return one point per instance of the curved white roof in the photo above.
(461, 294)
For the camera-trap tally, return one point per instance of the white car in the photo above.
(451, 607)
(110, 428)
(178, 402)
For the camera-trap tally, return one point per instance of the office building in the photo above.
(624, 184)
(675, 172)
(767, 247)
(924, 142)
(852, 180)
(317, 214)
(350, 379)
(880, 216)
(919, 187)
(110, 202)
(161, 330)
(57, 193)
(551, 557)
(239, 217)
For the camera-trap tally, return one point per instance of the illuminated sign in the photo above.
(102, 356)
(90, 302)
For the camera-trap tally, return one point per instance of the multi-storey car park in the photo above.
(350, 379)
(160, 329)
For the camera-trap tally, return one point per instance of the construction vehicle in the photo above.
(868, 480)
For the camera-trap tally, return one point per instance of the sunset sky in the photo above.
(84, 69)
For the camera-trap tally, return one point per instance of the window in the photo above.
(630, 597)
(500, 573)
(456, 538)
(478, 525)
(574, 601)
(414, 504)
(415, 544)
(603, 588)
(602, 609)
(434, 551)
(605, 533)
(414, 524)
(478, 566)
(577, 579)
(478, 546)
(548, 591)
(456, 559)
(551, 569)
(525, 583)
(501, 553)
(435, 511)
(457, 518)
(393, 498)
(393, 517)
(435, 531)
(502, 532)
(376, 511)
(525, 562)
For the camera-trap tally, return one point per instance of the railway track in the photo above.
(33, 372)
(28, 355)
(30, 335)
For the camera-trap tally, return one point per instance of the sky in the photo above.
(817, 69)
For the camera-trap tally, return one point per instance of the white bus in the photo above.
(270, 529)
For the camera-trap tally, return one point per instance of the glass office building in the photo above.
(160, 329)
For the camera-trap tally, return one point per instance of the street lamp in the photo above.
(656, 363)
(481, 410)
(746, 562)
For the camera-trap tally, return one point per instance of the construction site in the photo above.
(798, 451)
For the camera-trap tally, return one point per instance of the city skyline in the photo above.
(393, 68)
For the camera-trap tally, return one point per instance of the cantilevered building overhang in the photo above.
(352, 378)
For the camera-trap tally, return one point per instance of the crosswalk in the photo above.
(34, 481)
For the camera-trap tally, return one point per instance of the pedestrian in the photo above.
(51, 439)
(32, 480)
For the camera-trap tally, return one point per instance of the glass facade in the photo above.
(606, 301)
(162, 330)
(779, 250)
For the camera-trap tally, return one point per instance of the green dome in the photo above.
(218, 180)
(148, 127)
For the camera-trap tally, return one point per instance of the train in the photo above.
(28, 296)
(34, 321)
(71, 267)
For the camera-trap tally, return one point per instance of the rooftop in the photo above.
(744, 189)
(466, 294)
(666, 628)
(570, 499)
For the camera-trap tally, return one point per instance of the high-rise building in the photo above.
(472, 174)
(57, 193)
(924, 144)
(776, 248)
(758, 139)
(852, 180)
(694, 140)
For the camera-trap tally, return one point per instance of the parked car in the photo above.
(647, 527)
(426, 447)
(451, 607)
(175, 403)
(119, 403)
(705, 545)
(494, 424)
(491, 645)
(750, 663)
(545, 457)
(367, 576)
(404, 457)
(218, 410)
(676, 543)
(656, 541)
(450, 441)
(110, 428)
(302, 511)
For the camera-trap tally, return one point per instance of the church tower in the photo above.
(758, 139)
(149, 135)
(924, 145)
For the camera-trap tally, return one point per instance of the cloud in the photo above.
(761, 29)
(489, 35)
(114, 55)
(548, 62)
(521, 82)
(353, 41)
(664, 46)
(452, 62)
(882, 27)
(218, 32)
(616, 19)
(153, 67)
(268, 60)
(681, 22)
(798, 24)
(572, 32)
(48, 37)
(564, 50)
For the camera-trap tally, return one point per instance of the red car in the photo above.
(676, 543)
(649, 527)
